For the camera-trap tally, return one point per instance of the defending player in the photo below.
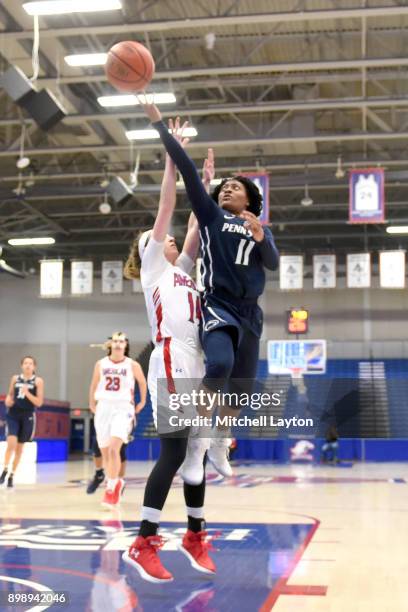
(111, 399)
(235, 250)
(25, 394)
(172, 302)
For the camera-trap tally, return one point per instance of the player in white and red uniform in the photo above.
(111, 399)
(173, 308)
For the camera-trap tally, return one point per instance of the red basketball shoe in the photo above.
(143, 556)
(117, 491)
(196, 546)
(107, 500)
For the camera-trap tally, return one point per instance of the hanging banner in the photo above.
(366, 196)
(291, 272)
(261, 180)
(51, 274)
(112, 277)
(358, 270)
(81, 277)
(392, 269)
(324, 271)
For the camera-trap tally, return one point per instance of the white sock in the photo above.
(151, 514)
(197, 513)
(111, 483)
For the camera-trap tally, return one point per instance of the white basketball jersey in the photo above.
(172, 299)
(116, 382)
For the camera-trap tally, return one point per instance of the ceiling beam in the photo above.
(235, 143)
(142, 27)
(251, 107)
(219, 71)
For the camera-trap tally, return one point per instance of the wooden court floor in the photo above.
(353, 557)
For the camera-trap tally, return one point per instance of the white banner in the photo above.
(112, 277)
(291, 271)
(51, 273)
(392, 269)
(81, 277)
(358, 270)
(324, 271)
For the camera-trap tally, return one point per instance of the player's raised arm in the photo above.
(192, 239)
(202, 204)
(167, 201)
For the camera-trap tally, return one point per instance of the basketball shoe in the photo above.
(143, 556)
(196, 546)
(192, 468)
(218, 454)
(96, 481)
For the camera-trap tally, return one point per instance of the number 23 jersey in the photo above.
(172, 299)
(116, 381)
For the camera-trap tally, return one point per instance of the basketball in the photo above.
(129, 66)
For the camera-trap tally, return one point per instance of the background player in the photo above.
(173, 307)
(111, 399)
(235, 250)
(25, 394)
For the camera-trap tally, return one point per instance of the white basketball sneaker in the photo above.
(218, 454)
(192, 468)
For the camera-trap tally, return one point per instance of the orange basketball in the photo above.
(129, 66)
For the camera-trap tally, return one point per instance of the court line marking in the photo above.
(281, 587)
(34, 585)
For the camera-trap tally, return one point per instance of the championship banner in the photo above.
(112, 277)
(81, 277)
(366, 196)
(324, 271)
(392, 269)
(291, 272)
(359, 270)
(261, 180)
(51, 274)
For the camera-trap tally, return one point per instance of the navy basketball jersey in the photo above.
(232, 261)
(22, 403)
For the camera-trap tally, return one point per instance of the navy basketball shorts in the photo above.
(22, 426)
(243, 322)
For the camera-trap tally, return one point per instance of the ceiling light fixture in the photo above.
(397, 229)
(30, 241)
(104, 207)
(61, 7)
(150, 134)
(86, 59)
(131, 100)
(306, 200)
(340, 173)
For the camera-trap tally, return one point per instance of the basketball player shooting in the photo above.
(236, 249)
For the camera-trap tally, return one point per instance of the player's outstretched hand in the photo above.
(209, 167)
(253, 224)
(151, 110)
(177, 131)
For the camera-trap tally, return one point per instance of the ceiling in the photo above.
(289, 86)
